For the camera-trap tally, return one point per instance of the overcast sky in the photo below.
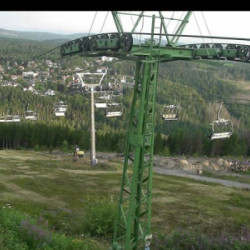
(219, 23)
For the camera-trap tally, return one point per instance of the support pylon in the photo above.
(133, 225)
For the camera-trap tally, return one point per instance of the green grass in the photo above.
(65, 193)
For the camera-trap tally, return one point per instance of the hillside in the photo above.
(37, 36)
(198, 87)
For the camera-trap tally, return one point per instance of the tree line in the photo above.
(42, 136)
(196, 143)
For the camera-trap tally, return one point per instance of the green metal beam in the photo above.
(133, 225)
(117, 22)
(180, 29)
(137, 22)
(164, 26)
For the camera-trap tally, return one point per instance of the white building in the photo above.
(50, 92)
(29, 74)
(107, 59)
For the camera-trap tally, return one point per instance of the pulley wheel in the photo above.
(104, 36)
(192, 46)
(85, 44)
(94, 45)
(243, 52)
(126, 42)
(231, 46)
(204, 45)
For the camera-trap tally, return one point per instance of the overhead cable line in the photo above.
(105, 19)
(34, 58)
(201, 33)
(212, 101)
(92, 23)
(208, 30)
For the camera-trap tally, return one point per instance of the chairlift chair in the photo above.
(60, 108)
(101, 101)
(8, 118)
(2, 119)
(114, 109)
(16, 118)
(30, 115)
(170, 113)
(221, 128)
(58, 112)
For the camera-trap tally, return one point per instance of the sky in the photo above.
(215, 23)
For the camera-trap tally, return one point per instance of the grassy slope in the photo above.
(60, 190)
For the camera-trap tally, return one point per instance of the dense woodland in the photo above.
(196, 86)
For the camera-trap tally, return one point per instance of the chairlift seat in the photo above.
(61, 106)
(169, 117)
(114, 114)
(16, 118)
(114, 109)
(30, 115)
(223, 135)
(58, 113)
(101, 105)
(170, 113)
(221, 129)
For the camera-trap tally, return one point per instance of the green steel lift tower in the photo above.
(133, 223)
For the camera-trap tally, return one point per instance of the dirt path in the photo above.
(187, 174)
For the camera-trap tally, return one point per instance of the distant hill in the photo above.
(38, 36)
(53, 39)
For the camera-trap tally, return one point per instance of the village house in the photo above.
(15, 77)
(50, 92)
(107, 59)
(31, 89)
(21, 68)
(49, 63)
(6, 83)
(1, 69)
(29, 74)
(44, 74)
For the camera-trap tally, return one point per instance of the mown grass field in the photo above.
(62, 192)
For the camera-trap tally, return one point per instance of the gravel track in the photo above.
(187, 174)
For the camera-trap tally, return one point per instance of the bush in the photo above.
(99, 217)
(65, 146)
(35, 236)
(19, 232)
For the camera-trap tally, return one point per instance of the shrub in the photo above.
(34, 235)
(36, 148)
(19, 232)
(98, 219)
(65, 146)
